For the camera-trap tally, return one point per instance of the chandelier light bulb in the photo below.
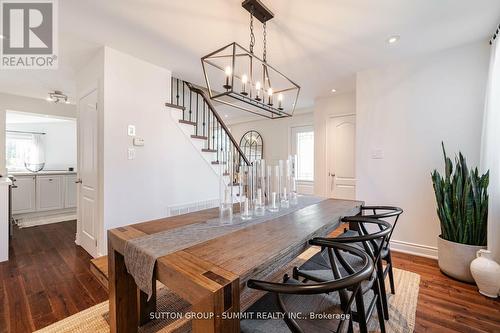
(270, 96)
(244, 80)
(257, 91)
(228, 72)
(280, 102)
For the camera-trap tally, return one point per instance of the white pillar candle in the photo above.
(259, 196)
(273, 198)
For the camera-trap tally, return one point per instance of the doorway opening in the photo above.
(41, 158)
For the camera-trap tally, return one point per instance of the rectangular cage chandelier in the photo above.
(236, 77)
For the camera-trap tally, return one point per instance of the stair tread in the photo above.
(187, 122)
(99, 268)
(206, 150)
(199, 137)
(175, 106)
(218, 162)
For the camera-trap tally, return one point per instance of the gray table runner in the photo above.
(141, 253)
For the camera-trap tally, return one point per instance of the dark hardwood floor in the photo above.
(48, 279)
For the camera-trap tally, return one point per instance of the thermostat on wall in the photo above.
(139, 142)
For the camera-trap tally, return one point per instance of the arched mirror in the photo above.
(252, 145)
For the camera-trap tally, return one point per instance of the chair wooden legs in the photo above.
(361, 313)
(391, 274)
(383, 293)
(380, 311)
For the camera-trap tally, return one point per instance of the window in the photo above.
(303, 147)
(23, 147)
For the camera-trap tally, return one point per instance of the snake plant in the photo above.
(462, 202)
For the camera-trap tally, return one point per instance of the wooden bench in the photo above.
(99, 267)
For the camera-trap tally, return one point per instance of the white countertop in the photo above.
(41, 173)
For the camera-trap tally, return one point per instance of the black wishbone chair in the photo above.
(386, 213)
(310, 307)
(318, 268)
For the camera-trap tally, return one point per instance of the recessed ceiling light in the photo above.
(2, 37)
(393, 39)
(226, 115)
(334, 90)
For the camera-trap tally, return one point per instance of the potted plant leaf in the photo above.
(462, 208)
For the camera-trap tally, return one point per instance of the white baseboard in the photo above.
(415, 249)
(32, 221)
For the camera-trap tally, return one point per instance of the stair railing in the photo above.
(198, 110)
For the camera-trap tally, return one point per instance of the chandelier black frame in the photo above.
(251, 91)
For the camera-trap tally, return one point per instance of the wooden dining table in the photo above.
(212, 275)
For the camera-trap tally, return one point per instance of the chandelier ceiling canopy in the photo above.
(235, 76)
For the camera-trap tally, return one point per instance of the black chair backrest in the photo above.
(352, 280)
(372, 242)
(384, 213)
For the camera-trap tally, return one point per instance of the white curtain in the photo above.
(36, 154)
(490, 150)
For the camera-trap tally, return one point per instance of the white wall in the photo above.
(168, 170)
(31, 105)
(275, 133)
(60, 142)
(405, 110)
(324, 108)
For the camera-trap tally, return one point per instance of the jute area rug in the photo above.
(402, 309)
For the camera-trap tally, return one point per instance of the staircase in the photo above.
(208, 127)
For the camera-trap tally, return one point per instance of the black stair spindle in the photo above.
(204, 133)
(197, 104)
(190, 104)
(177, 91)
(213, 132)
(183, 100)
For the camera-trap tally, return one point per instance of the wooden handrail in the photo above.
(219, 119)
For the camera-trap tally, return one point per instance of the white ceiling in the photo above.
(320, 44)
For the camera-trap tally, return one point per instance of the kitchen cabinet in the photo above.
(70, 193)
(49, 192)
(23, 195)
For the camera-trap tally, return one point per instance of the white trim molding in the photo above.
(415, 249)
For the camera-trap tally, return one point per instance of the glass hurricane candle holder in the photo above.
(284, 172)
(246, 193)
(273, 205)
(259, 201)
(293, 180)
(225, 195)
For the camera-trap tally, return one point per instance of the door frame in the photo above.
(99, 221)
(328, 144)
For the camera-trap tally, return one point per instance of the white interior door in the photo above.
(88, 172)
(341, 157)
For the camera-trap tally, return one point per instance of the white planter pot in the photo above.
(454, 259)
(486, 273)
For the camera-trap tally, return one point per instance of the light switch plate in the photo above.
(138, 142)
(131, 153)
(131, 130)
